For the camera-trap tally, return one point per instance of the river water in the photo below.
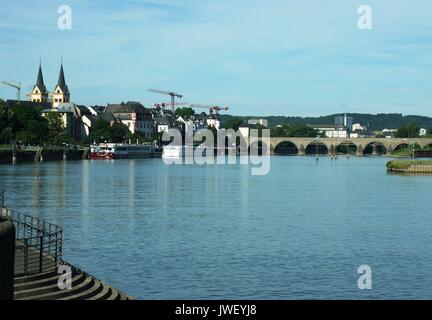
(216, 231)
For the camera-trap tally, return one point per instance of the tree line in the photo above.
(116, 132)
(374, 122)
(26, 125)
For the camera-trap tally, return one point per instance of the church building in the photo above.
(60, 94)
(39, 92)
(61, 91)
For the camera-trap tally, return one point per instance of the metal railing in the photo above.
(2, 192)
(38, 245)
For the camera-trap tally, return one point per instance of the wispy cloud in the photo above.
(273, 57)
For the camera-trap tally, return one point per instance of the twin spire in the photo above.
(61, 80)
(40, 81)
(61, 90)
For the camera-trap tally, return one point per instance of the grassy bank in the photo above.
(410, 165)
(408, 151)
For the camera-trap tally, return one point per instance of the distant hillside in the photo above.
(374, 121)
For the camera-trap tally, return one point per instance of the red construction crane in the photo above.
(172, 94)
(211, 109)
(163, 105)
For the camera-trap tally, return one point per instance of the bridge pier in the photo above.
(360, 151)
(301, 151)
(332, 150)
(14, 154)
(374, 149)
(389, 150)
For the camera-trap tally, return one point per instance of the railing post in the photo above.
(41, 254)
(36, 233)
(2, 192)
(25, 256)
(56, 247)
(60, 249)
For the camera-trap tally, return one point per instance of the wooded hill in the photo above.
(373, 121)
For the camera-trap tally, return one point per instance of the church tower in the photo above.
(39, 92)
(61, 91)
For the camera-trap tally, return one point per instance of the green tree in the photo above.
(63, 138)
(408, 131)
(182, 112)
(55, 125)
(27, 137)
(233, 123)
(6, 135)
(119, 132)
(100, 131)
(28, 125)
(138, 135)
(293, 131)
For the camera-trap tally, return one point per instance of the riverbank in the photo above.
(409, 153)
(37, 267)
(410, 166)
(31, 154)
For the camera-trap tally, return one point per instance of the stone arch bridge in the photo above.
(333, 146)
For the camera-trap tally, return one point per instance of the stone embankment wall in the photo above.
(7, 259)
(6, 156)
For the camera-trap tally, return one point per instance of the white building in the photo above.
(244, 132)
(358, 127)
(423, 132)
(161, 123)
(212, 122)
(260, 121)
(134, 115)
(332, 131)
(389, 133)
(76, 118)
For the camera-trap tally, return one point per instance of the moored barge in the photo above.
(111, 151)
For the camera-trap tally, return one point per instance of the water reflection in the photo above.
(216, 231)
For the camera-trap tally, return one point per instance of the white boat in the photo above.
(175, 151)
(111, 151)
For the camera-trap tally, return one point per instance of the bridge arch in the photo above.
(375, 148)
(346, 147)
(400, 145)
(286, 148)
(316, 147)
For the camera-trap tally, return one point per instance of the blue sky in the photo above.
(270, 57)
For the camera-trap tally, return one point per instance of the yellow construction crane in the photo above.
(16, 86)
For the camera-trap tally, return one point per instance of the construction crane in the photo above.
(212, 109)
(172, 94)
(16, 86)
(163, 105)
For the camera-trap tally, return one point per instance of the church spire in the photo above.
(39, 92)
(61, 80)
(40, 81)
(61, 91)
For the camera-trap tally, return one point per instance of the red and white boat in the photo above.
(111, 151)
